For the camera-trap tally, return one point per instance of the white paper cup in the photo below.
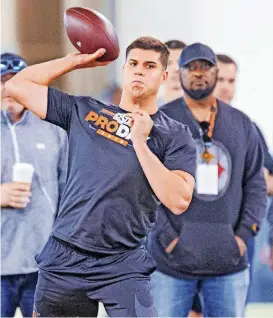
(22, 172)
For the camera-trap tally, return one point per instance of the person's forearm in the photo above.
(253, 208)
(172, 190)
(44, 73)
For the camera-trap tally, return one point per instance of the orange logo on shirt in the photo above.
(116, 129)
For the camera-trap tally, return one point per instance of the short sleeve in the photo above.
(59, 108)
(181, 152)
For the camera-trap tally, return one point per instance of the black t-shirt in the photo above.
(108, 205)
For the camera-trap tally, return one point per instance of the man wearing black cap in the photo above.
(204, 248)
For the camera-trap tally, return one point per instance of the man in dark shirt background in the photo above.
(225, 91)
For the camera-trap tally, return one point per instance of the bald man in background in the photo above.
(172, 88)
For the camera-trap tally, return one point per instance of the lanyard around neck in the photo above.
(207, 132)
(210, 125)
(213, 110)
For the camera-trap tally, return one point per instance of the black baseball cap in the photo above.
(196, 51)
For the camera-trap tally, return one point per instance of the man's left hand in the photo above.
(142, 125)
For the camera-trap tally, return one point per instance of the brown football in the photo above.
(88, 30)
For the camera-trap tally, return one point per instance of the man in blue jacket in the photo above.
(205, 248)
(27, 212)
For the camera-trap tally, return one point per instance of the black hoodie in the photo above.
(205, 232)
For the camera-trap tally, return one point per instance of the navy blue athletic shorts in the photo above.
(72, 281)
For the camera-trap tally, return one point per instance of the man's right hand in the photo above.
(15, 195)
(29, 87)
(87, 60)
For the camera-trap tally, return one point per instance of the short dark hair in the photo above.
(225, 59)
(175, 44)
(150, 43)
